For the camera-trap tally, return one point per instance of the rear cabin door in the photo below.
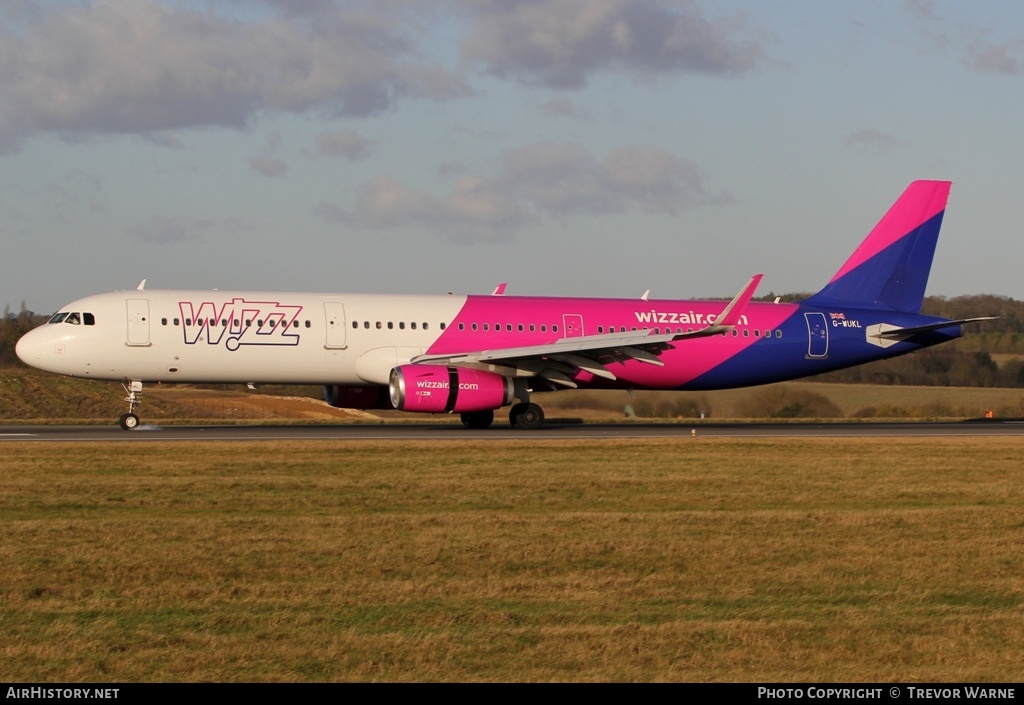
(817, 333)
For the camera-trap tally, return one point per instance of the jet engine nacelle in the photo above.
(349, 396)
(436, 389)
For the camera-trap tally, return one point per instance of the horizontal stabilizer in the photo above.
(885, 334)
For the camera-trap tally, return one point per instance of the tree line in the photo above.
(12, 327)
(991, 353)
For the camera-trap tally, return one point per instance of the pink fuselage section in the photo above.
(496, 322)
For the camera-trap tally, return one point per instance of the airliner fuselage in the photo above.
(474, 354)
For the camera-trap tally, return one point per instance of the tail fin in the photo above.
(890, 268)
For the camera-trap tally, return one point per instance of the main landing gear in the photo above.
(478, 419)
(523, 415)
(130, 420)
(526, 416)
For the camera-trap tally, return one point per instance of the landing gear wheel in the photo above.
(129, 421)
(527, 417)
(478, 419)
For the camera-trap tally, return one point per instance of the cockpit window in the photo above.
(74, 318)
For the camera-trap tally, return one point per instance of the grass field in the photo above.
(687, 560)
(31, 396)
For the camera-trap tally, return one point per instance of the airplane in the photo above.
(472, 355)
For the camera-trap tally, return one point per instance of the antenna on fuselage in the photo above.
(142, 285)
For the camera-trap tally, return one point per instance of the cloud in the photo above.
(562, 43)
(164, 230)
(536, 181)
(268, 163)
(173, 230)
(564, 179)
(147, 67)
(562, 107)
(142, 66)
(993, 58)
(347, 144)
(871, 138)
(472, 212)
(921, 9)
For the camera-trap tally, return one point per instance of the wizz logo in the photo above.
(239, 322)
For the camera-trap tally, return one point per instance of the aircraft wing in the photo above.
(559, 361)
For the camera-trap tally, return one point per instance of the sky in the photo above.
(567, 147)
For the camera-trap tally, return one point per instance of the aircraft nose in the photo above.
(21, 349)
(28, 350)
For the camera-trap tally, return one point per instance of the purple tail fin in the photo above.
(890, 268)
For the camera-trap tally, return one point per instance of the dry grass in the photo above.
(688, 560)
(31, 396)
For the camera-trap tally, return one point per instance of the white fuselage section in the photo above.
(211, 336)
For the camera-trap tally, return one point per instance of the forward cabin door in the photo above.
(335, 312)
(138, 322)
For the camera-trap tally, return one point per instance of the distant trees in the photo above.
(775, 402)
(990, 354)
(13, 327)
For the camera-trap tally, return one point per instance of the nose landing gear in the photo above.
(130, 420)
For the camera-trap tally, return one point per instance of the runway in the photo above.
(552, 431)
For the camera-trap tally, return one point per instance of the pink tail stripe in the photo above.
(921, 202)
